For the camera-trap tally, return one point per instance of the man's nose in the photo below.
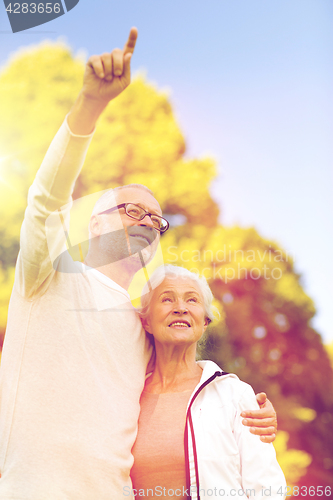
(146, 221)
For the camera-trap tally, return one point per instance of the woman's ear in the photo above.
(146, 324)
(206, 323)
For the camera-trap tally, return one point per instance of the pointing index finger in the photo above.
(130, 44)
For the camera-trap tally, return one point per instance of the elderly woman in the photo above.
(191, 442)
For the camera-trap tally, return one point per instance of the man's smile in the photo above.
(142, 234)
(141, 237)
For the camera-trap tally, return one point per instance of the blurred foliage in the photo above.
(329, 350)
(293, 462)
(264, 333)
(304, 414)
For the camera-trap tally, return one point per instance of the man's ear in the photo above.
(94, 226)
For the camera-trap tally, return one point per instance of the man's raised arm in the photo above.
(105, 77)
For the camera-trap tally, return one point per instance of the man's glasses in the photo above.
(138, 213)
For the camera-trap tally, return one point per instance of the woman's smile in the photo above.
(180, 324)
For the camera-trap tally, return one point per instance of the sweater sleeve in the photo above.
(51, 189)
(262, 476)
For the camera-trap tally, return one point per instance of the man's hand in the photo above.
(105, 77)
(262, 422)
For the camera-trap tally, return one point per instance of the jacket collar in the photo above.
(209, 368)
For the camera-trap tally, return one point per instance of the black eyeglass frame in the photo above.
(124, 205)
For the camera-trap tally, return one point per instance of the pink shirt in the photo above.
(159, 460)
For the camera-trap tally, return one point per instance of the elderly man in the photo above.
(75, 354)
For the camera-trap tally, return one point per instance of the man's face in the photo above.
(124, 236)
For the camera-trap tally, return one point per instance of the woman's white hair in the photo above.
(158, 276)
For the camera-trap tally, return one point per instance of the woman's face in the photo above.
(177, 312)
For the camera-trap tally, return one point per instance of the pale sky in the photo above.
(251, 85)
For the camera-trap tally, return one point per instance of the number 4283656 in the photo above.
(34, 8)
(303, 491)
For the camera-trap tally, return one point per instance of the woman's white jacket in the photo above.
(223, 458)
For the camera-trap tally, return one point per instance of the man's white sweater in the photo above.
(72, 371)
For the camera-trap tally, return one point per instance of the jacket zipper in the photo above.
(189, 422)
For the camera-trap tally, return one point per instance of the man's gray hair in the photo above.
(107, 199)
(158, 276)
